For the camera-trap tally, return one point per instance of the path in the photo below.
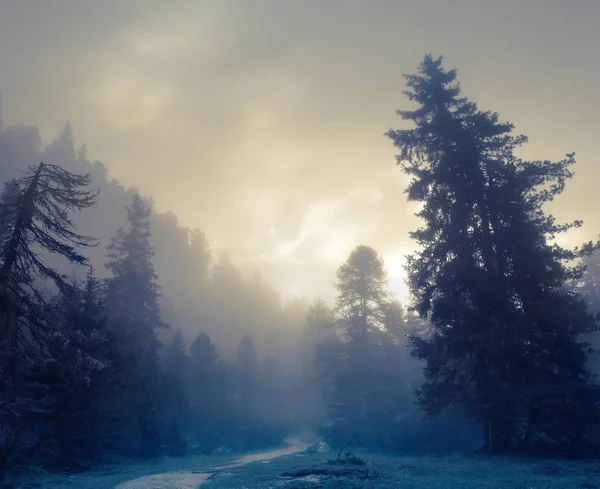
(194, 479)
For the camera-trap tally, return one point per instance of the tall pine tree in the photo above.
(487, 274)
(133, 307)
(355, 366)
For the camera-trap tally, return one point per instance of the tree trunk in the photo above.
(9, 318)
(7, 353)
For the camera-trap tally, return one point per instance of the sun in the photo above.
(394, 263)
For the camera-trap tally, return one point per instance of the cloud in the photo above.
(262, 121)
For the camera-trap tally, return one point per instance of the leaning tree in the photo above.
(35, 223)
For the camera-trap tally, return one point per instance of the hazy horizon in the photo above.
(262, 122)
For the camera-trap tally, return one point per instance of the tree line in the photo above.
(497, 344)
(84, 373)
(507, 318)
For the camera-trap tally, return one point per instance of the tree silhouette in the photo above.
(506, 326)
(35, 221)
(133, 306)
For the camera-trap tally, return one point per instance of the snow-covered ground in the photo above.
(170, 480)
(165, 473)
(313, 471)
(300, 465)
(194, 479)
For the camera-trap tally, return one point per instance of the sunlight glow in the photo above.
(337, 250)
(394, 263)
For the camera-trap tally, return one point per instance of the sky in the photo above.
(262, 121)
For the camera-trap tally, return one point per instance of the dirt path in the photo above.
(193, 479)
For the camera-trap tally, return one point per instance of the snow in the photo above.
(193, 480)
(310, 462)
(294, 446)
(173, 480)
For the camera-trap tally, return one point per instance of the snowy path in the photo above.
(194, 479)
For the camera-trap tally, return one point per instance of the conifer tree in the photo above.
(320, 341)
(355, 365)
(133, 291)
(362, 296)
(35, 220)
(247, 364)
(133, 306)
(505, 347)
(203, 355)
(590, 281)
(67, 384)
(175, 391)
(208, 392)
(590, 288)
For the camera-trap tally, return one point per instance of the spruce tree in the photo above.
(320, 339)
(133, 291)
(175, 391)
(362, 295)
(354, 365)
(590, 281)
(487, 273)
(66, 384)
(133, 307)
(208, 391)
(35, 221)
(247, 364)
(590, 288)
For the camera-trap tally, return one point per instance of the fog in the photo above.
(262, 176)
(261, 122)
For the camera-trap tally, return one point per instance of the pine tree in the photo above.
(175, 390)
(362, 296)
(203, 355)
(590, 288)
(590, 281)
(9, 206)
(354, 365)
(247, 364)
(68, 382)
(133, 291)
(208, 392)
(201, 257)
(487, 276)
(35, 221)
(319, 321)
(321, 342)
(133, 307)
(175, 357)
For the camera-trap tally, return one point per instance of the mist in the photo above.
(230, 227)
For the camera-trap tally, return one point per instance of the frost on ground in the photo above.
(173, 480)
(294, 446)
(165, 473)
(311, 479)
(193, 480)
(314, 470)
(118, 475)
(304, 466)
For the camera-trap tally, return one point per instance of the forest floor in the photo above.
(292, 467)
(312, 471)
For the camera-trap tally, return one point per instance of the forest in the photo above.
(124, 335)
